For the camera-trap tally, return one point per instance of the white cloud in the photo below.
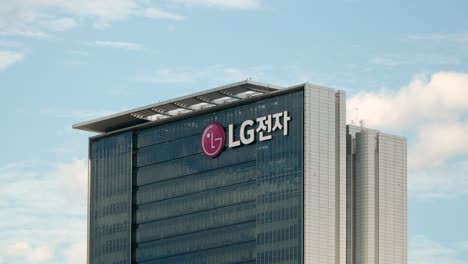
(445, 182)
(60, 24)
(25, 186)
(10, 44)
(37, 18)
(425, 251)
(24, 250)
(454, 44)
(437, 142)
(8, 58)
(102, 25)
(423, 59)
(434, 110)
(21, 13)
(116, 45)
(451, 37)
(160, 14)
(24, 33)
(220, 74)
(108, 10)
(54, 200)
(465, 245)
(235, 4)
(74, 176)
(443, 97)
(33, 18)
(215, 73)
(76, 253)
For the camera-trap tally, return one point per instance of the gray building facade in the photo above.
(243, 173)
(377, 197)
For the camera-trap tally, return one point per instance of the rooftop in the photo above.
(178, 106)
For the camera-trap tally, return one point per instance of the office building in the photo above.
(377, 201)
(243, 173)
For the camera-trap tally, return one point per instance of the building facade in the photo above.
(243, 173)
(377, 199)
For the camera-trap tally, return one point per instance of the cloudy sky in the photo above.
(404, 65)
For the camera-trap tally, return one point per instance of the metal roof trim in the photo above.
(131, 117)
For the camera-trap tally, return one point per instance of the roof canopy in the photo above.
(178, 106)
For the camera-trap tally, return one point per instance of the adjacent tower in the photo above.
(377, 199)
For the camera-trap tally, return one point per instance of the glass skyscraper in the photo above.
(243, 173)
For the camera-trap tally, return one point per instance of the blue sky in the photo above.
(404, 65)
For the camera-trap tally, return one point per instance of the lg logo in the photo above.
(259, 129)
(212, 141)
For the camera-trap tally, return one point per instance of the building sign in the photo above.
(213, 137)
(212, 141)
(260, 128)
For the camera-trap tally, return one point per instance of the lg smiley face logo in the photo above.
(212, 141)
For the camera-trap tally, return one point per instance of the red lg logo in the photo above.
(212, 141)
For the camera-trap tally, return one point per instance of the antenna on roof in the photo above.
(356, 111)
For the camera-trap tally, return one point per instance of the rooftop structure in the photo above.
(179, 106)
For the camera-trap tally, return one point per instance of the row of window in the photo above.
(196, 202)
(244, 252)
(199, 221)
(192, 164)
(286, 255)
(196, 183)
(282, 234)
(197, 241)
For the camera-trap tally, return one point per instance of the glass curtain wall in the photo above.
(244, 206)
(111, 200)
